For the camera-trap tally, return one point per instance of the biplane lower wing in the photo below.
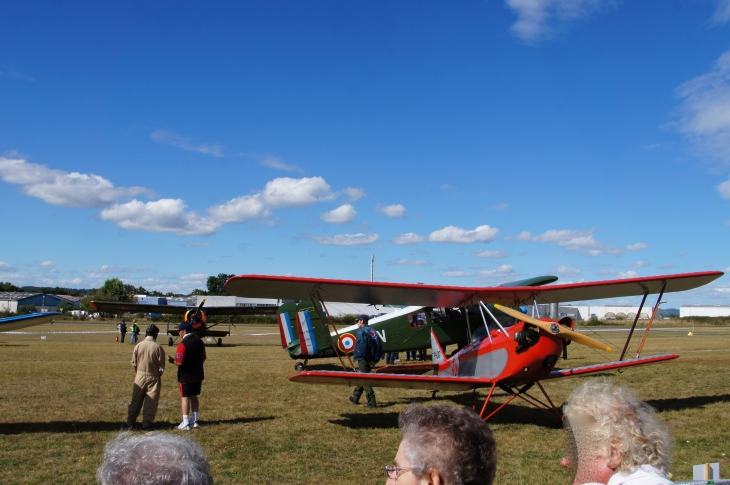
(399, 381)
(22, 321)
(286, 287)
(589, 369)
(118, 307)
(447, 383)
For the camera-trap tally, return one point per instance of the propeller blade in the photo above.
(555, 329)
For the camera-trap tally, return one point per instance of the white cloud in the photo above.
(191, 244)
(290, 192)
(639, 264)
(479, 253)
(637, 246)
(724, 189)
(409, 262)
(523, 236)
(240, 209)
(537, 19)
(353, 194)
(347, 239)
(607, 272)
(570, 239)
(272, 161)
(47, 263)
(195, 277)
(453, 234)
(722, 14)
(566, 270)
(503, 270)
(500, 207)
(394, 210)
(705, 110)
(628, 274)
(168, 137)
(343, 214)
(57, 187)
(408, 238)
(164, 215)
(6, 266)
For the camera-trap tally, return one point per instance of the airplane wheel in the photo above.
(220, 342)
(169, 342)
(299, 367)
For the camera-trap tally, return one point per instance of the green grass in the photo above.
(63, 398)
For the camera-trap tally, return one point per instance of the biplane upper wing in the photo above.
(118, 307)
(448, 383)
(22, 321)
(286, 287)
(401, 381)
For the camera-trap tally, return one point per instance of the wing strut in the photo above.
(489, 334)
(468, 325)
(648, 325)
(495, 320)
(633, 326)
(327, 330)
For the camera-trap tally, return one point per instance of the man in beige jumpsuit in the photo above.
(148, 360)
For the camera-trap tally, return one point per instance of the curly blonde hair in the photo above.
(618, 419)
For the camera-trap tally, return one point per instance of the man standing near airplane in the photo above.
(189, 358)
(368, 351)
(148, 360)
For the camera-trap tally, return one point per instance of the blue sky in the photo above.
(461, 143)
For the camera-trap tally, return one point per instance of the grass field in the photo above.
(63, 398)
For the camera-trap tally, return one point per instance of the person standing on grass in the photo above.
(148, 360)
(135, 332)
(368, 351)
(189, 358)
(123, 330)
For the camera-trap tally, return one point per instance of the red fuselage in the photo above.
(498, 360)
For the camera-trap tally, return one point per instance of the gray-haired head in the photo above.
(454, 442)
(609, 421)
(153, 459)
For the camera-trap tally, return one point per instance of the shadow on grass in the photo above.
(83, 427)
(7, 344)
(681, 403)
(367, 419)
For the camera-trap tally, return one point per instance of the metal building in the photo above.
(11, 300)
(704, 311)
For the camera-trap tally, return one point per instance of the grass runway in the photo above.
(63, 398)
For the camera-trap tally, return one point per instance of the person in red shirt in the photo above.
(189, 358)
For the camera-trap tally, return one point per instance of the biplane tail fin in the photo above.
(285, 329)
(437, 353)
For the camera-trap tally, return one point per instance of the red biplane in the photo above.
(513, 359)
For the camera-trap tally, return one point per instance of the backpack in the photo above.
(375, 346)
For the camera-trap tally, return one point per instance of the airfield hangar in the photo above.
(43, 302)
(704, 311)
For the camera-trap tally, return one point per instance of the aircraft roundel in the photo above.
(346, 342)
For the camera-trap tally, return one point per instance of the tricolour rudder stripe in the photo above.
(307, 341)
(285, 329)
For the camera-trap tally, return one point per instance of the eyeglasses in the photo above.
(394, 472)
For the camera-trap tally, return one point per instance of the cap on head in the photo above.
(363, 317)
(185, 325)
(152, 330)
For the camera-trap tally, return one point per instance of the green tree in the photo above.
(114, 290)
(8, 286)
(198, 291)
(215, 284)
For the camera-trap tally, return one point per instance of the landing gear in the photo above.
(300, 366)
(169, 341)
(433, 394)
(220, 342)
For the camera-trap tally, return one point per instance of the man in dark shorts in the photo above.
(189, 358)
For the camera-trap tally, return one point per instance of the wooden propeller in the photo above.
(554, 329)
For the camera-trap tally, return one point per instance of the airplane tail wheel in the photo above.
(220, 342)
(299, 367)
(169, 341)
